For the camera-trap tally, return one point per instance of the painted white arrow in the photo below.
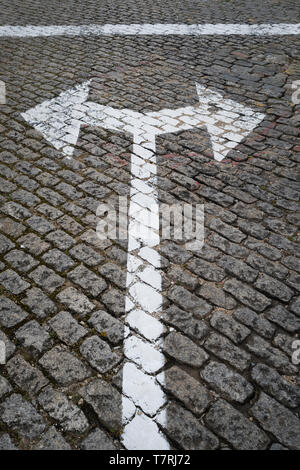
(59, 121)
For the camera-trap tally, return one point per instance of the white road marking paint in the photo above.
(2, 92)
(222, 29)
(59, 121)
(143, 433)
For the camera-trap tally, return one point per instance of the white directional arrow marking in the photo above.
(59, 119)
(227, 123)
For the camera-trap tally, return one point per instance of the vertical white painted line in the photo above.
(143, 302)
(2, 92)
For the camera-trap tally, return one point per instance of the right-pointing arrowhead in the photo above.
(231, 121)
(58, 120)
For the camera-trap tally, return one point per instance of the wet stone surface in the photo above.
(110, 341)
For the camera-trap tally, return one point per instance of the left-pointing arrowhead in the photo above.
(58, 120)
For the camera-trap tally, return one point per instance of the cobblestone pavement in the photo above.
(221, 373)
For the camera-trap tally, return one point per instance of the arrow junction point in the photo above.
(227, 123)
(59, 119)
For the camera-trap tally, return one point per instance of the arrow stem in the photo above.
(143, 300)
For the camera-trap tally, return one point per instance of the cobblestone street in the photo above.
(147, 342)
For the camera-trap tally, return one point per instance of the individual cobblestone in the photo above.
(88, 280)
(206, 270)
(278, 420)
(46, 278)
(10, 313)
(86, 254)
(26, 376)
(12, 282)
(194, 328)
(58, 260)
(60, 239)
(188, 301)
(246, 295)
(276, 386)
(33, 337)
(227, 351)
(67, 328)
(184, 350)
(184, 429)
(231, 425)
(22, 417)
(229, 327)
(99, 355)
(273, 287)
(186, 389)
(75, 301)
(216, 296)
(52, 440)
(64, 367)
(21, 261)
(227, 382)
(108, 326)
(62, 410)
(33, 243)
(39, 303)
(105, 401)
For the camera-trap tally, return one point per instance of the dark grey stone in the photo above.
(227, 351)
(230, 384)
(184, 350)
(186, 389)
(52, 440)
(188, 301)
(33, 337)
(185, 322)
(246, 295)
(64, 367)
(255, 321)
(10, 313)
(98, 440)
(225, 324)
(108, 326)
(278, 420)
(99, 355)
(273, 288)
(21, 417)
(62, 410)
(75, 301)
(276, 386)
(184, 429)
(67, 328)
(231, 425)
